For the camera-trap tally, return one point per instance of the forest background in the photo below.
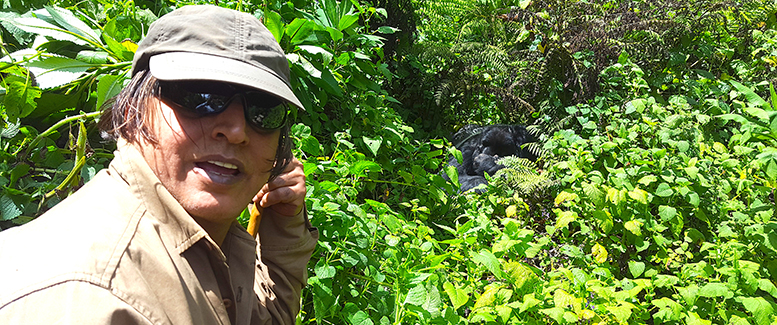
(652, 200)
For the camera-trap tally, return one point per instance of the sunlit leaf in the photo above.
(458, 296)
(487, 259)
(599, 253)
(759, 307)
(634, 226)
(55, 71)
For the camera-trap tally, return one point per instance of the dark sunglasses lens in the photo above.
(200, 102)
(265, 111)
(262, 110)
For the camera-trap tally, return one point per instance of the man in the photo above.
(202, 131)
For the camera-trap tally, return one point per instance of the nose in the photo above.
(231, 123)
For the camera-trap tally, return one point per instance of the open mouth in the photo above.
(219, 168)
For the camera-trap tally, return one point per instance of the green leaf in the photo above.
(757, 113)
(599, 253)
(647, 180)
(692, 318)
(564, 196)
(735, 117)
(634, 226)
(41, 27)
(564, 218)
(93, 57)
(604, 220)
(387, 30)
(715, 289)
(417, 295)
(272, 20)
(347, 21)
(325, 271)
(17, 172)
(20, 97)
(666, 212)
(669, 310)
(56, 71)
(636, 105)
(639, 195)
(759, 307)
(120, 49)
(373, 144)
(487, 259)
(330, 84)
(314, 50)
(596, 195)
(773, 96)
(8, 209)
(555, 313)
(7, 21)
(621, 312)
(664, 190)
(750, 95)
(299, 30)
(107, 87)
(768, 286)
(529, 301)
(360, 318)
(71, 23)
(457, 296)
(636, 268)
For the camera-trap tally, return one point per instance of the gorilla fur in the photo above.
(482, 146)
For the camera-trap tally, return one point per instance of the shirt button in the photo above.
(227, 303)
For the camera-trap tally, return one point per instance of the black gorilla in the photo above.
(482, 146)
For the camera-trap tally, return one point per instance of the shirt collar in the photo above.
(176, 227)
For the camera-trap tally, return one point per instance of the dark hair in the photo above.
(126, 116)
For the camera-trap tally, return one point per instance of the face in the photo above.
(213, 165)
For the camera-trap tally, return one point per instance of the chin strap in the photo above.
(255, 219)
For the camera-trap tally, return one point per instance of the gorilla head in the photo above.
(482, 146)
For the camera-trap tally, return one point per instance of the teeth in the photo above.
(223, 164)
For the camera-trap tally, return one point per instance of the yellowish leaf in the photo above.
(511, 211)
(564, 218)
(129, 45)
(639, 195)
(565, 196)
(634, 226)
(599, 253)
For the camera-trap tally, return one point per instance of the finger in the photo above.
(285, 200)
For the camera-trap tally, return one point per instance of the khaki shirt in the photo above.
(122, 250)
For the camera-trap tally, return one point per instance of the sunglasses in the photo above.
(199, 99)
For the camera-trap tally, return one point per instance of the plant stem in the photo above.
(60, 124)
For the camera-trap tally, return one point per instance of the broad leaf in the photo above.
(272, 20)
(759, 307)
(487, 259)
(750, 95)
(41, 27)
(55, 71)
(457, 296)
(299, 30)
(373, 144)
(715, 289)
(71, 23)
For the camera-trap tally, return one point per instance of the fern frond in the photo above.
(521, 175)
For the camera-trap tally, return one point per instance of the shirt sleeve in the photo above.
(284, 249)
(72, 302)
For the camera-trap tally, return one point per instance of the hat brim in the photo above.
(179, 66)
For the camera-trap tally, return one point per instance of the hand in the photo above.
(286, 193)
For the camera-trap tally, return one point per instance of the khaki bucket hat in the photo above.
(205, 42)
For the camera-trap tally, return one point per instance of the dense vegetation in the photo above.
(652, 201)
